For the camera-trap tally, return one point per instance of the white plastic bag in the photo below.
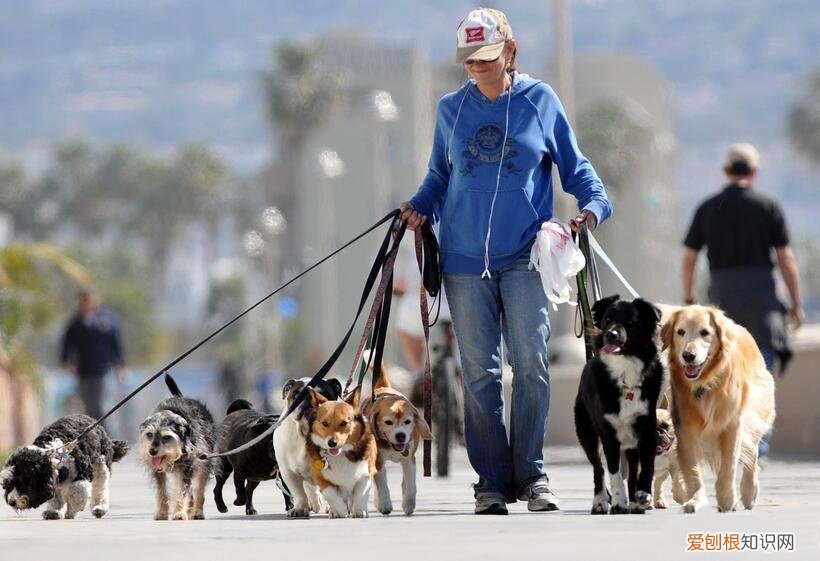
(556, 257)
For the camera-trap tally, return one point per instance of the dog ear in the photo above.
(286, 388)
(421, 425)
(353, 398)
(668, 330)
(6, 475)
(722, 328)
(383, 382)
(336, 386)
(316, 399)
(647, 310)
(600, 307)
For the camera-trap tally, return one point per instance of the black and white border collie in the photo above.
(64, 479)
(616, 402)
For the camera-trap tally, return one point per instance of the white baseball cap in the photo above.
(743, 154)
(482, 35)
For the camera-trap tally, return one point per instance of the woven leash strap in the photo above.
(370, 338)
(427, 391)
(589, 274)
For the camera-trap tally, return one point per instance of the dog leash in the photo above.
(384, 261)
(391, 216)
(590, 247)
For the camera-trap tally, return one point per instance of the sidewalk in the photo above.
(443, 527)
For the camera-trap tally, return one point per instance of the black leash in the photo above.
(588, 274)
(392, 216)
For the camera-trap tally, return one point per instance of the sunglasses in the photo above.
(472, 61)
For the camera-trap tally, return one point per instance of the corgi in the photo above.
(342, 453)
(399, 428)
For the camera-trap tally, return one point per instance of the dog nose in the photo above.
(688, 357)
(12, 503)
(331, 443)
(400, 437)
(153, 451)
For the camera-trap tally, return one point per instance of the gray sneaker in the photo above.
(490, 502)
(539, 497)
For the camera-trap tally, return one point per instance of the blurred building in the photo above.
(368, 157)
(644, 235)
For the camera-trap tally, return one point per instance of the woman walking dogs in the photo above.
(489, 185)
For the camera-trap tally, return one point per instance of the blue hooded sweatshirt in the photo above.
(472, 185)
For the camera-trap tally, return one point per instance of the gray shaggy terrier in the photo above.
(43, 472)
(171, 440)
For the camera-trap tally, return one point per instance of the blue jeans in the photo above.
(512, 303)
(768, 357)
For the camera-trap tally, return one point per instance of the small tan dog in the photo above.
(399, 428)
(342, 453)
(666, 461)
(722, 402)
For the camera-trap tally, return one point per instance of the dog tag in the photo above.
(406, 451)
(320, 464)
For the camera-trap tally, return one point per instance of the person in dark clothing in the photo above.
(91, 347)
(745, 234)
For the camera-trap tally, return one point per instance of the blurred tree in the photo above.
(300, 96)
(804, 119)
(171, 196)
(615, 142)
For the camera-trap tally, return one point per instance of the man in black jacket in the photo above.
(745, 232)
(91, 347)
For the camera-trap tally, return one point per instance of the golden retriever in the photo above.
(722, 402)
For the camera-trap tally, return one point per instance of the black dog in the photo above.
(66, 479)
(257, 464)
(616, 402)
(171, 440)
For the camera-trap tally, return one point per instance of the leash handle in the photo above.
(589, 270)
(427, 390)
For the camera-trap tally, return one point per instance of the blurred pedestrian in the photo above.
(490, 186)
(745, 232)
(91, 347)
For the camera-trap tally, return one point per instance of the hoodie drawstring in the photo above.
(486, 273)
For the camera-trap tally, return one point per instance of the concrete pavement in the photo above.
(443, 527)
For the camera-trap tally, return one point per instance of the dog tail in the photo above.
(237, 405)
(120, 449)
(172, 385)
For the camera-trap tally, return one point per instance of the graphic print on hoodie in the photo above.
(460, 185)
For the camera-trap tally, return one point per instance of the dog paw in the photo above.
(336, 514)
(299, 513)
(689, 507)
(660, 503)
(239, 501)
(636, 508)
(99, 511)
(618, 509)
(409, 506)
(223, 508)
(51, 515)
(731, 508)
(181, 515)
(250, 511)
(359, 514)
(600, 504)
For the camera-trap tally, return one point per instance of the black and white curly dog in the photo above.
(616, 402)
(171, 440)
(257, 464)
(43, 472)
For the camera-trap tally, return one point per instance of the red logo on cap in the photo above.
(474, 34)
